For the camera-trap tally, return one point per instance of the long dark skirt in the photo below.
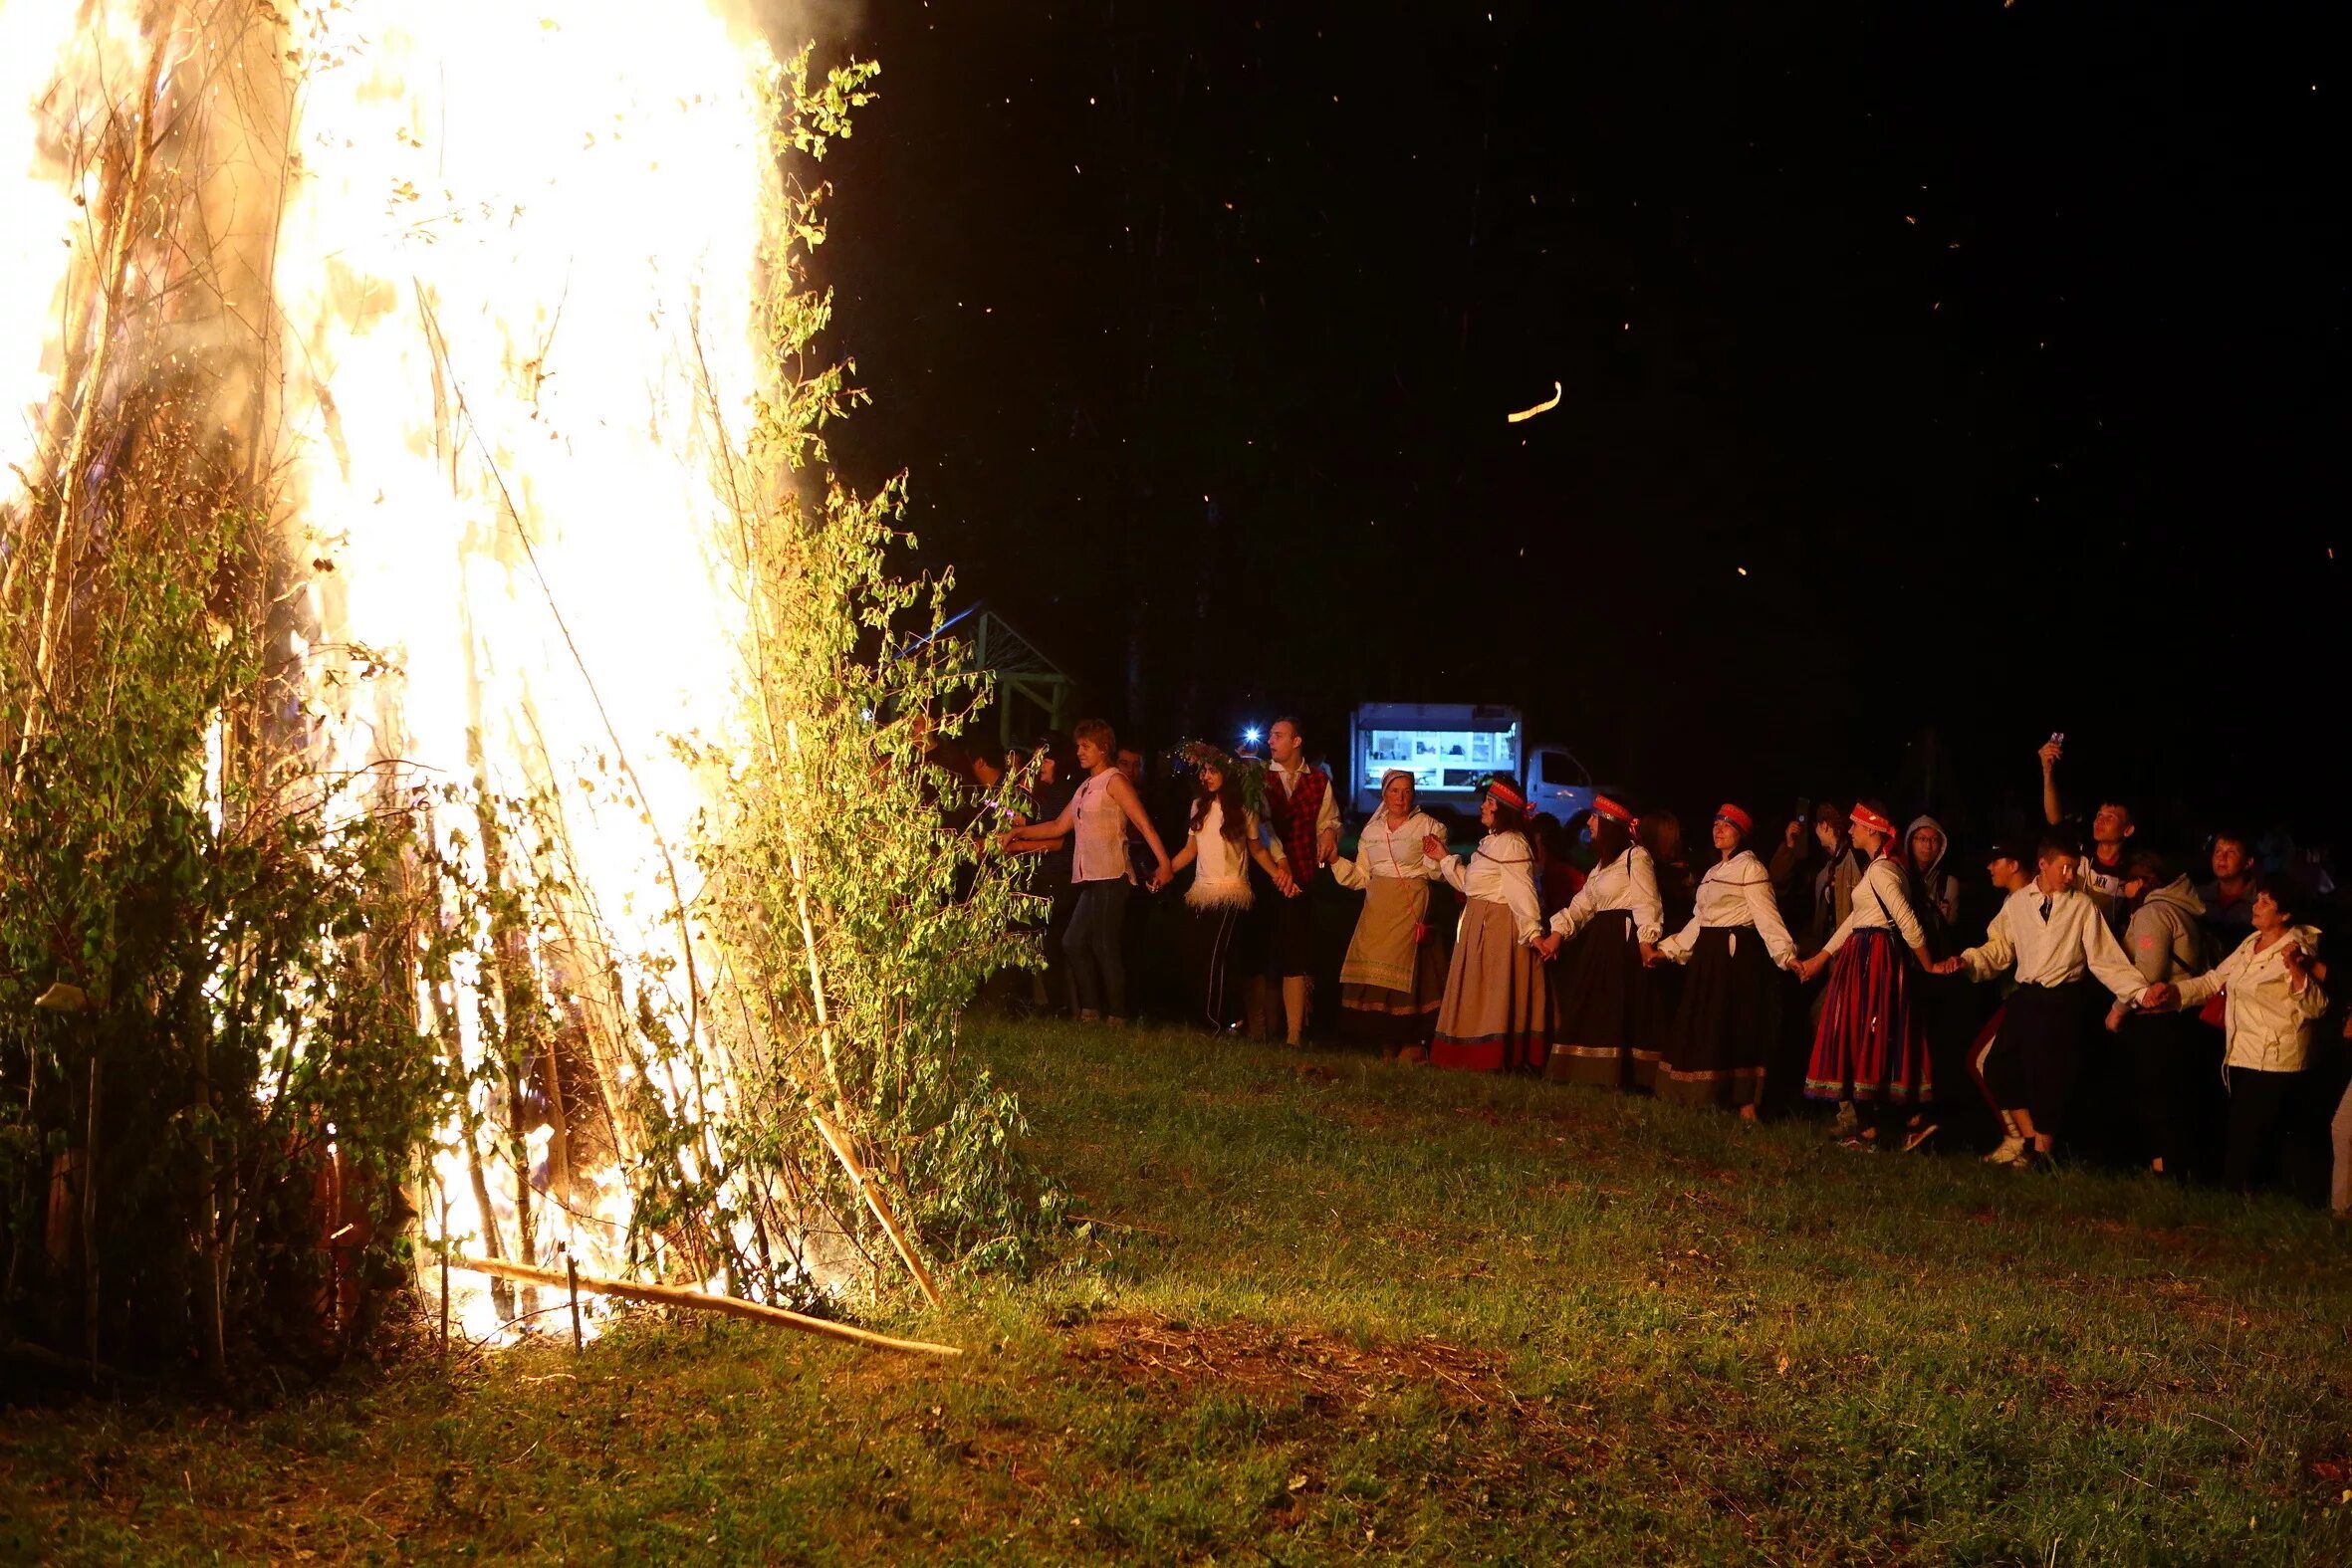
(1494, 1008)
(1605, 1032)
(1727, 1023)
(1869, 1046)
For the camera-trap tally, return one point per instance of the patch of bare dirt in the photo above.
(1255, 1359)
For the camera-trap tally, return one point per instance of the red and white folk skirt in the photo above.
(1870, 1045)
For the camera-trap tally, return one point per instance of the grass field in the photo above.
(1338, 1311)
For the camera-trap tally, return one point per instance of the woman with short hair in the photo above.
(1094, 822)
(1494, 1013)
(2271, 998)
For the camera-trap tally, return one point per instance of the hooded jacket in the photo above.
(1936, 895)
(2165, 941)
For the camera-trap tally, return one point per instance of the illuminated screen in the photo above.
(1440, 759)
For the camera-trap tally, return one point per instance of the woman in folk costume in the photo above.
(1394, 977)
(1494, 1013)
(1738, 951)
(1221, 843)
(1869, 1046)
(1607, 1033)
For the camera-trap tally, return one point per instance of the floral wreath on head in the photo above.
(1249, 773)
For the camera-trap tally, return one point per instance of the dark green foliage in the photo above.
(217, 928)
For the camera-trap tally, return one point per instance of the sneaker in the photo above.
(1917, 1137)
(2010, 1150)
(1846, 1121)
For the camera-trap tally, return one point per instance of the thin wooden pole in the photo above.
(444, 1278)
(872, 1192)
(571, 1278)
(703, 1301)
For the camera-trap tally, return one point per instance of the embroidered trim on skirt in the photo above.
(1392, 984)
(1728, 1019)
(1869, 1046)
(1606, 1031)
(1495, 1007)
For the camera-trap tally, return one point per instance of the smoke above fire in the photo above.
(477, 282)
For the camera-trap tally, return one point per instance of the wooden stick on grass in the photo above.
(700, 1301)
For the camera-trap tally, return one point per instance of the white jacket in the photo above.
(2268, 1021)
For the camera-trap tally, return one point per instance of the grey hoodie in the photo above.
(2164, 939)
(1943, 890)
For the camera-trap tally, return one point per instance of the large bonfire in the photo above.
(462, 754)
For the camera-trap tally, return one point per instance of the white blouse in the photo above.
(1219, 867)
(1628, 882)
(1736, 893)
(1382, 850)
(1879, 902)
(1502, 871)
(2268, 1020)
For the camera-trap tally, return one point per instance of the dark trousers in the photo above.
(2265, 1114)
(1217, 983)
(1062, 902)
(2160, 1053)
(1098, 970)
(2043, 1025)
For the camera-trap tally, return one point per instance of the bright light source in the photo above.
(1252, 735)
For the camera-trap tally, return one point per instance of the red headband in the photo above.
(1727, 812)
(1608, 808)
(1865, 818)
(1498, 791)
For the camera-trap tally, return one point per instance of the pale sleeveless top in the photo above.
(1098, 844)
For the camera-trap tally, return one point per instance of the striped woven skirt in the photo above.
(1495, 1008)
(1869, 1046)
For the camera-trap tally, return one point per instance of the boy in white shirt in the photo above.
(2055, 938)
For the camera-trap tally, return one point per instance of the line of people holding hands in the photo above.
(1600, 992)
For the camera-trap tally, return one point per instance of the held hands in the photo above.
(1950, 966)
(2161, 996)
(1160, 878)
(1433, 847)
(1806, 968)
(1285, 883)
(1651, 957)
(1326, 848)
(1548, 946)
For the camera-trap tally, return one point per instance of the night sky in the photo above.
(2001, 348)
